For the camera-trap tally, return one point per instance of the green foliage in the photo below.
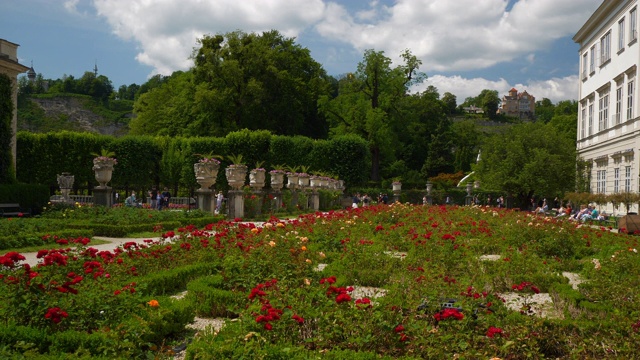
(174, 280)
(210, 298)
(7, 172)
(29, 196)
(530, 158)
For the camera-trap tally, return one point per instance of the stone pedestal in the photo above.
(206, 200)
(103, 196)
(468, 200)
(315, 201)
(429, 200)
(277, 201)
(236, 204)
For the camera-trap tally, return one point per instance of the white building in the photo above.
(608, 122)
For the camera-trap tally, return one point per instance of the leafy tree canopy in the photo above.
(528, 159)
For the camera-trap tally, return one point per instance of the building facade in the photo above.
(521, 105)
(608, 124)
(9, 66)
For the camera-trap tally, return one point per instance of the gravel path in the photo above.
(113, 243)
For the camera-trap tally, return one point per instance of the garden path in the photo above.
(113, 243)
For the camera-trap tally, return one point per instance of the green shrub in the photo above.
(174, 280)
(209, 298)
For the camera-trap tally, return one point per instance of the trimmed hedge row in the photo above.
(145, 161)
(29, 196)
(174, 280)
(121, 230)
(35, 239)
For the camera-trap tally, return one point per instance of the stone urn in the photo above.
(65, 181)
(277, 179)
(236, 175)
(206, 173)
(293, 180)
(315, 181)
(303, 181)
(257, 178)
(103, 168)
(396, 186)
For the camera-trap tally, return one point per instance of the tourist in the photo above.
(153, 195)
(131, 201)
(164, 199)
(356, 201)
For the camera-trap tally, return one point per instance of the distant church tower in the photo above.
(95, 69)
(31, 74)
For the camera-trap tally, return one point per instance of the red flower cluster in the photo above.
(272, 314)
(363, 303)
(55, 314)
(449, 313)
(493, 331)
(341, 292)
(298, 318)
(524, 285)
(9, 259)
(472, 294)
(258, 290)
(400, 330)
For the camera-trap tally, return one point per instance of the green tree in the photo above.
(528, 159)
(489, 101)
(544, 110)
(257, 82)
(450, 102)
(465, 148)
(367, 104)
(440, 159)
(166, 110)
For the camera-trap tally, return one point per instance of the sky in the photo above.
(465, 45)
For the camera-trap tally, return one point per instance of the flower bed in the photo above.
(436, 292)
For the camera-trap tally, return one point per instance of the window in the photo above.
(627, 178)
(630, 100)
(585, 65)
(616, 180)
(605, 48)
(633, 25)
(603, 112)
(601, 182)
(583, 122)
(619, 104)
(621, 34)
(590, 132)
(592, 66)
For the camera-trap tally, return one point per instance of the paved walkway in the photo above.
(112, 244)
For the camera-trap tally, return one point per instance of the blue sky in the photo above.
(465, 45)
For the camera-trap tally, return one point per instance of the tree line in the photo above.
(268, 82)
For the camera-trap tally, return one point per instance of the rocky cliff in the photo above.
(71, 113)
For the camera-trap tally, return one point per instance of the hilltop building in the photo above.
(608, 124)
(10, 66)
(521, 105)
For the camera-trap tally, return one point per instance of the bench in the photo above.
(13, 210)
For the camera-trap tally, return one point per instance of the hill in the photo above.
(72, 112)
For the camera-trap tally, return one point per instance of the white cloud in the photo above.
(446, 35)
(167, 31)
(461, 34)
(555, 89)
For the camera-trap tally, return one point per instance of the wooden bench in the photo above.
(13, 210)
